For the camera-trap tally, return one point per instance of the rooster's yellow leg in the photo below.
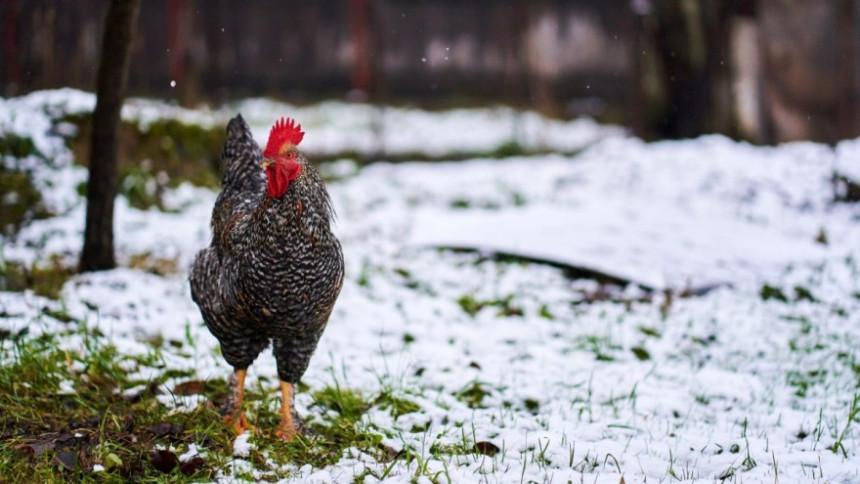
(287, 429)
(235, 416)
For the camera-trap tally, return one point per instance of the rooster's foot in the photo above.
(286, 433)
(238, 422)
(232, 411)
(290, 426)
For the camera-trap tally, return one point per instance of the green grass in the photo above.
(506, 306)
(339, 428)
(17, 146)
(395, 405)
(64, 412)
(184, 152)
(45, 279)
(473, 394)
(21, 201)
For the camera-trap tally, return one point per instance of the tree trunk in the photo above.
(691, 43)
(98, 252)
(846, 111)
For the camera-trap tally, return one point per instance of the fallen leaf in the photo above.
(163, 460)
(65, 438)
(192, 466)
(166, 428)
(193, 387)
(486, 448)
(37, 448)
(161, 428)
(68, 460)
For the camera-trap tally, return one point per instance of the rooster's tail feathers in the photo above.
(241, 157)
(237, 126)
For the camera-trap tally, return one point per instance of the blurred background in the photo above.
(764, 71)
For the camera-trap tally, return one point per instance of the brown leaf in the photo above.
(475, 365)
(486, 448)
(163, 460)
(192, 466)
(166, 428)
(161, 428)
(68, 460)
(36, 449)
(64, 438)
(193, 387)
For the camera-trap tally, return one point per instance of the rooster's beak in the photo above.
(266, 163)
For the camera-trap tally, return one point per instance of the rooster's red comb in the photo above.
(284, 132)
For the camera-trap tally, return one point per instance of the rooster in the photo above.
(274, 269)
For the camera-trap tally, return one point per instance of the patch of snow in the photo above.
(658, 245)
(191, 452)
(242, 446)
(580, 392)
(66, 388)
(848, 159)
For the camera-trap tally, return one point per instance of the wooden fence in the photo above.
(791, 69)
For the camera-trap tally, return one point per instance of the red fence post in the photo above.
(359, 20)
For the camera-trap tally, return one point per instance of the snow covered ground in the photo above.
(728, 386)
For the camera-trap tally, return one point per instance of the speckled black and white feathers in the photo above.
(274, 268)
(243, 182)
